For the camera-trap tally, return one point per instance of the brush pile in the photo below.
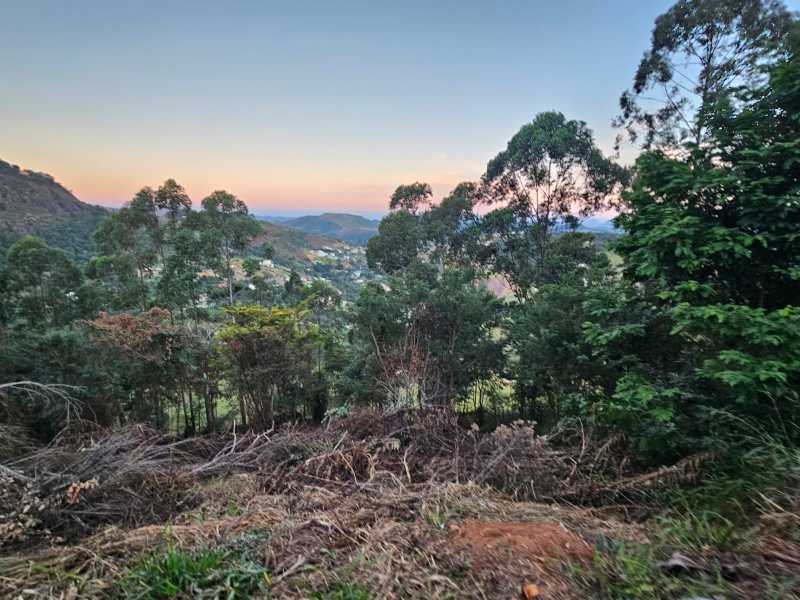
(415, 506)
(137, 476)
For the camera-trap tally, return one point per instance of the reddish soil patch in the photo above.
(538, 544)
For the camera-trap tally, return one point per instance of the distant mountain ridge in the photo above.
(354, 229)
(599, 225)
(35, 203)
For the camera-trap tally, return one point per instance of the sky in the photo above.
(300, 107)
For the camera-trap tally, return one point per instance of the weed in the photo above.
(232, 508)
(629, 573)
(698, 530)
(174, 572)
(633, 571)
(439, 511)
(343, 591)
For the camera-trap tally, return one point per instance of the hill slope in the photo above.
(349, 228)
(35, 203)
(312, 255)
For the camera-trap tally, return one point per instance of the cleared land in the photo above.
(369, 507)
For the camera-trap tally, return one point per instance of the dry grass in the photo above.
(445, 512)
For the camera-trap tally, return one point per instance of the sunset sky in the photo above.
(300, 107)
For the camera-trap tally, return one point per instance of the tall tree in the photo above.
(699, 49)
(41, 283)
(411, 197)
(129, 246)
(550, 174)
(713, 246)
(172, 198)
(397, 243)
(228, 231)
(143, 212)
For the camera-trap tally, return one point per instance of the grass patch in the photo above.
(226, 572)
(699, 530)
(633, 571)
(343, 591)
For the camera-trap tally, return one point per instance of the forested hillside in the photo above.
(348, 228)
(182, 416)
(32, 202)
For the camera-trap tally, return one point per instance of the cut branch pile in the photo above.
(137, 476)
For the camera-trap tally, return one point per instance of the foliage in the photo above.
(699, 50)
(712, 243)
(550, 173)
(411, 197)
(431, 334)
(554, 370)
(632, 571)
(695, 314)
(212, 572)
(42, 284)
(397, 243)
(270, 352)
(344, 591)
(227, 230)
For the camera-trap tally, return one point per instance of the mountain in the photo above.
(349, 228)
(35, 203)
(273, 218)
(599, 225)
(357, 230)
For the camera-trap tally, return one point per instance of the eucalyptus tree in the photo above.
(143, 212)
(128, 253)
(411, 197)
(700, 49)
(172, 198)
(180, 286)
(228, 230)
(397, 244)
(549, 175)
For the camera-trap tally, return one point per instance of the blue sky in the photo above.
(300, 106)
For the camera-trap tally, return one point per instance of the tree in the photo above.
(430, 334)
(251, 266)
(699, 50)
(266, 251)
(550, 173)
(452, 227)
(397, 243)
(129, 247)
(553, 369)
(42, 283)
(180, 285)
(228, 229)
(270, 360)
(293, 287)
(172, 198)
(142, 211)
(411, 197)
(713, 240)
